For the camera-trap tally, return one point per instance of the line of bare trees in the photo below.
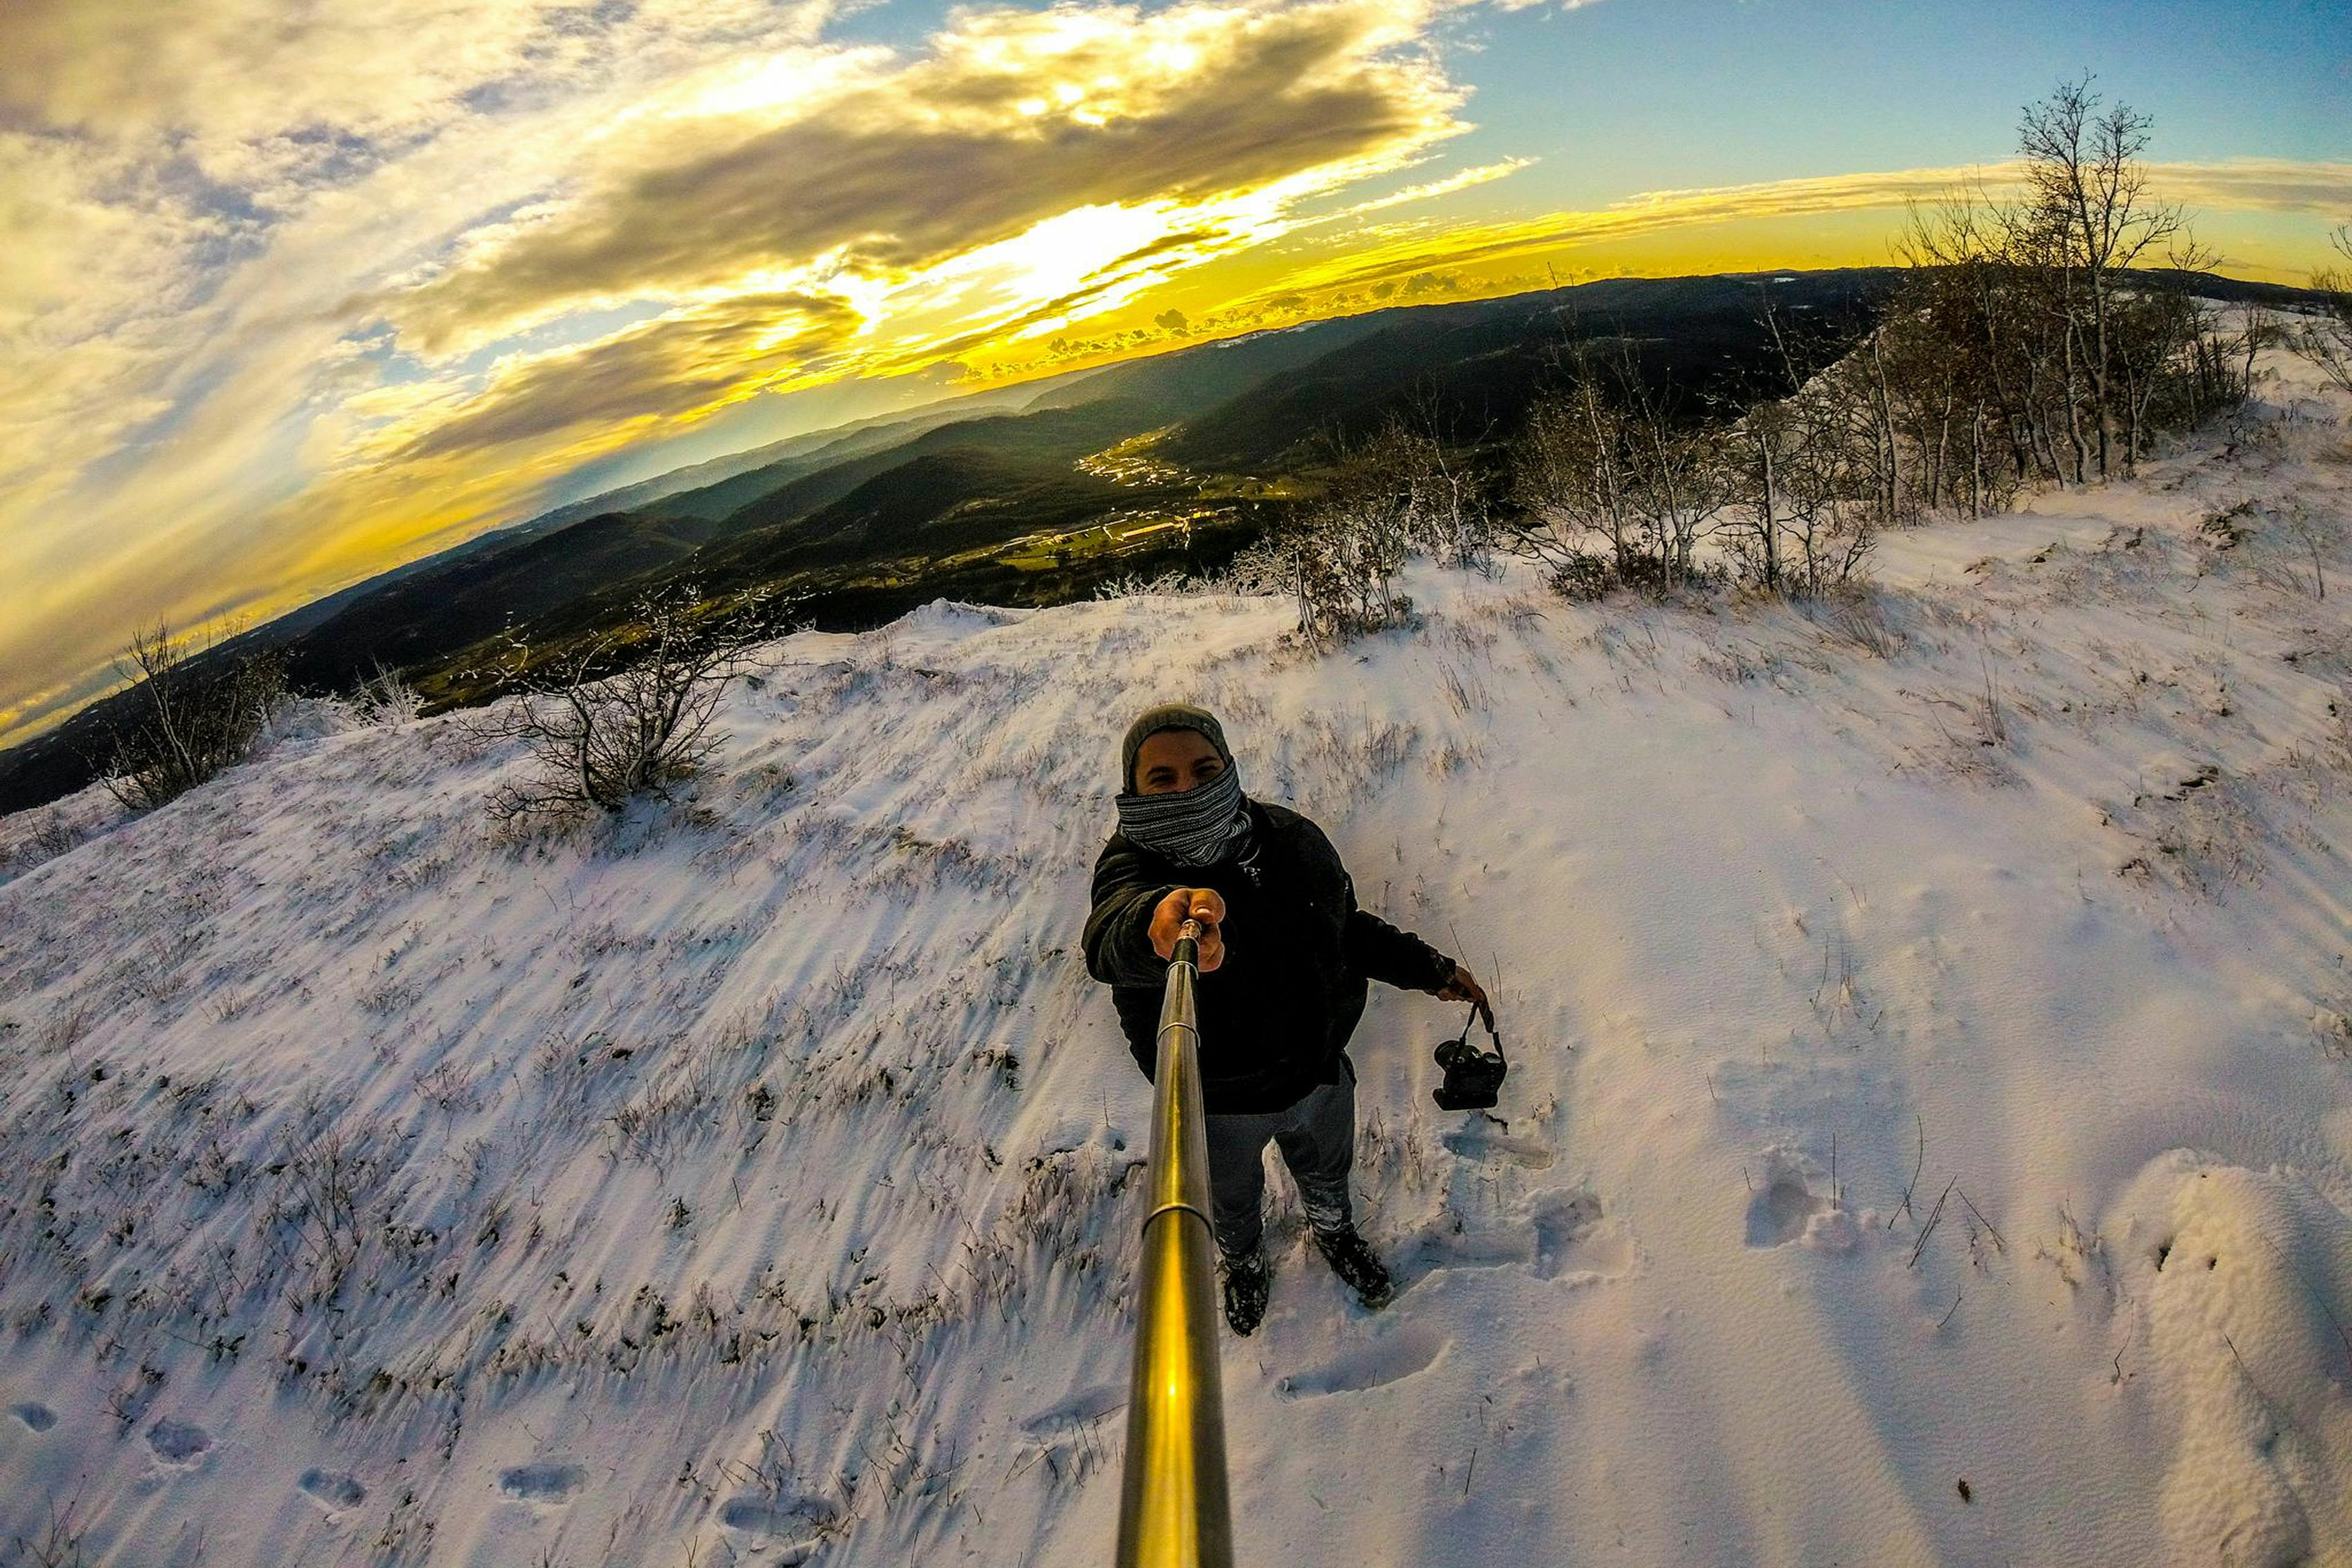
(2038, 347)
(2035, 340)
(2027, 344)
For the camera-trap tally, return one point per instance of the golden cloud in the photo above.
(2239, 184)
(266, 97)
(1013, 118)
(682, 365)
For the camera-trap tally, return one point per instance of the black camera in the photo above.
(1474, 1078)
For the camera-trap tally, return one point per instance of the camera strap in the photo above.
(1478, 1015)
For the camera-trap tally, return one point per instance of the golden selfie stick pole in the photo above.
(1173, 1508)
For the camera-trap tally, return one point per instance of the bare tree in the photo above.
(1680, 483)
(194, 709)
(1804, 496)
(2090, 191)
(1451, 516)
(1405, 485)
(1572, 485)
(1338, 556)
(1968, 263)
(1802, 491)
(2033, 340)
(629, 711)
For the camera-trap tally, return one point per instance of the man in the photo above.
(1284, 957)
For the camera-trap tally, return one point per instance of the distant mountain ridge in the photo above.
(999, 464)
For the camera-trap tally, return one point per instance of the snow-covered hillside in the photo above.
(1928, 1137)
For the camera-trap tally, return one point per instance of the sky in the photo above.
(295, 292)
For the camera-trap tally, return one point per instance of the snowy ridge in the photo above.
(1957, 980)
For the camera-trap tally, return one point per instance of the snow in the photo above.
(1930, 1064)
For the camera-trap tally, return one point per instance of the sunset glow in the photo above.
(295, 293)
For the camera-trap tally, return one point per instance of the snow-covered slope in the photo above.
(1928, 1138)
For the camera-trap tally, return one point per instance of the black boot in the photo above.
(1353, 1261)
(1246, 1283)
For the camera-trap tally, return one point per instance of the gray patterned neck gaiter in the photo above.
(1197, 826)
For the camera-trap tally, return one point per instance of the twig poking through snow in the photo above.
(1917, 1167)
(1997, 1241)
(1935, 1217)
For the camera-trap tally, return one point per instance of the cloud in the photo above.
(87, 288)
(886, 169)
(283, 468)
(678, 366)
(2257, 184)
(1378, 258)
(1484, 173)
(192, 188)
(266, 97)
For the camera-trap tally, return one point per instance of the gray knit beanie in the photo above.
(1168, 716)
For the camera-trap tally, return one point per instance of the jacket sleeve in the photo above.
(1396, 957)
(1119, 929)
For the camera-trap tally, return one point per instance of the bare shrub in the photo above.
(1261, 567)
(21, 852)
(195, 709)
(1339, 556)
(59, 1545)
(1581, 574)
(1993, 725)
(1135, 584)
(1417, 452)
(54, 837)
(1859, 619)
(1614, 488)
(627, 711)
(383, 697)
(2326, 342)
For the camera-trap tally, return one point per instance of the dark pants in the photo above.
(1317, 1135)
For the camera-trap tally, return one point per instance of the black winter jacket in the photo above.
(1277, 1014)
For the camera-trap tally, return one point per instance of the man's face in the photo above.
(1173, 760)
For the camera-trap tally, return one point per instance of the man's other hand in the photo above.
(1464, 987)
(1203, 904)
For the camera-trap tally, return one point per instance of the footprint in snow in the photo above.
(1483, 1143)
(1783, 1207)
(1445, 1245)
(334, 1489)
(178, 1442)
(1575, 1242)
(1389, 1359)
(542, 1483)
(1086, 1405)
(797, 1525)
(1562, 1236)
(36, 1416)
